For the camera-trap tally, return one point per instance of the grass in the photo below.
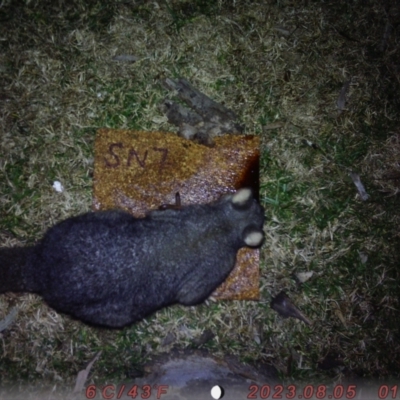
(59, 84)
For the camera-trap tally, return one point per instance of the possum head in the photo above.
(245, 216)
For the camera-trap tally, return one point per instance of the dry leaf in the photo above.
(360, 187)
(304, 276)
(283, 31)
(83, 374)
(284, 307)
(8, 319)
(341, 101)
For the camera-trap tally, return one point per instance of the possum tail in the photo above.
(16, 269)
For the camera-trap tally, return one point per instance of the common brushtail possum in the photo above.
(111, 269)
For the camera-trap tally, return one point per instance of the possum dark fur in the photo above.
(111, 269)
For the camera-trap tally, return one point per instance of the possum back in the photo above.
(109, 268)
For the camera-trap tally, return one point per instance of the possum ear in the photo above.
(253, 238)
(242, 198)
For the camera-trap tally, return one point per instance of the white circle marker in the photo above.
(216, 392)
